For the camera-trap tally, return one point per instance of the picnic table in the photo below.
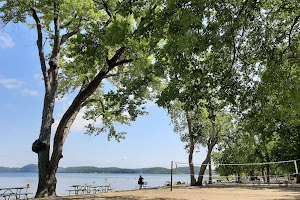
(100, 188)
(14, 192)
(87, 189)
(83, 189)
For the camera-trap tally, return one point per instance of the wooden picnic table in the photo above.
(87, 189)
(100, 188)
(84, 189)
(14, 192)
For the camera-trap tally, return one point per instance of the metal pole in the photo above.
(171, 175)
(296, 168)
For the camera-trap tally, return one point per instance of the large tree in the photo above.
(217, 51)
(89, 41)
(271, 106)
(203, 58)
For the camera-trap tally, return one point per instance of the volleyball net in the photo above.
(286, 172)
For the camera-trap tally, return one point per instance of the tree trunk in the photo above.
(210, 171)
(268, 173)
(239, 178)
(42, 145)
(212, 140)
(263, 174)
(251, 172)
(47, 180)
(192, 147)
(204, 164)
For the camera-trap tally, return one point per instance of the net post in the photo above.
(296, 167)
(171, 175)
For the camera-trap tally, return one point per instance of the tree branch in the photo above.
(105, 8)
(123, 62)
(111, 75)
(143, 22)
(242, 59)
(113, 61)
(243, 7)
(290, 33)
(56, 47)
(39, 43)
(68, 23)
(69, 116)
(70, 34)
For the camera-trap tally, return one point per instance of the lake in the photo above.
(65, 180)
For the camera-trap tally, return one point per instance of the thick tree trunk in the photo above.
(191, 152)
(46, 178)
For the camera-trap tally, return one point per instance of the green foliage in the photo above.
(96, 30)
(241, 56)
(133, 81)
(77, 12)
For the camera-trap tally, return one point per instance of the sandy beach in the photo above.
(196, 193)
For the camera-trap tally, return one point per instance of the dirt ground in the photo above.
(195, 193)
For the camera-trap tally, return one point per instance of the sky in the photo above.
(150, 140)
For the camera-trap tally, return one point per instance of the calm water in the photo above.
(65, 180)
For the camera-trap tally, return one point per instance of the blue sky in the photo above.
(150, 141)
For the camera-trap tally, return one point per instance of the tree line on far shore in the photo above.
(114, 170)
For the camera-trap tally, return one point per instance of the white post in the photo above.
(171, 175)
(296, 168)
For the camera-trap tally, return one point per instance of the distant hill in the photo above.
(30, 168)
(26, 168)
(91, 169)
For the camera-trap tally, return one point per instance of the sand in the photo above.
(195, 193)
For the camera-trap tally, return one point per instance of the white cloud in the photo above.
(6, 41)
(28, 92)
(11, 83)
(18, 85)
(124, 158)
(80, 123)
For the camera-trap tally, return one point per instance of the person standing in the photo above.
(141, 182)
